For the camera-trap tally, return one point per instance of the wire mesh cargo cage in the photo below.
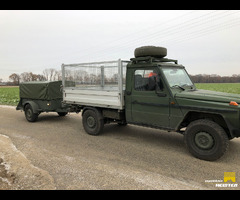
(97, 75)
(95, 81)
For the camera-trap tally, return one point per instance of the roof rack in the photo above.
(152, 59)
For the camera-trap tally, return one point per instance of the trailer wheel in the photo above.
(92, 121)
(30, 116)
(206, 140)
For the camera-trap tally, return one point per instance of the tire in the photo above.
(92, 121)
(206, 140)
(30, 116)
(154, 51)
(62, 114)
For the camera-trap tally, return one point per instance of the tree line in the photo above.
(49, 74)
(52, 74)
(214, 78)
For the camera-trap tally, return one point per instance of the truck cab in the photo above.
(160, 94)
(150, 92)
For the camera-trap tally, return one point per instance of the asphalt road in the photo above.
(58, 154)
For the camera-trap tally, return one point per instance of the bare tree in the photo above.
(51, 74)
(33, 77)
(59, 75)
(25, 77)
(41, 77)
(46, 73)
(15, 78)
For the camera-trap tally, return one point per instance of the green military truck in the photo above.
(153, 91)
(37, 97)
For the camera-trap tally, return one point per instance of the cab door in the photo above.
(149, 98)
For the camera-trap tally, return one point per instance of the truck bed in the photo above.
(100, 84)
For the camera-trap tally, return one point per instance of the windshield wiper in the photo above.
(191, 86)
(178, 87)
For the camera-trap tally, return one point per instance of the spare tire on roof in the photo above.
(154, 51)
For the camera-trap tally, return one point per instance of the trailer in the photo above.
(41, 96)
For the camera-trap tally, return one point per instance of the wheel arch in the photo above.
(216, 117)
(34, 105)
(91, 108)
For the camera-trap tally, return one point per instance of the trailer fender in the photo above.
(34, 105)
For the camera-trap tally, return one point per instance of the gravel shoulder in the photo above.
(17, 172)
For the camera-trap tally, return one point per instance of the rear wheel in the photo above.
(30, 116)
(92, 121)
(206, 140)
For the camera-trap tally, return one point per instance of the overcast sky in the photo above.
(204, 41)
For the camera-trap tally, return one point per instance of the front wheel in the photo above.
(206, 140)
(92, 121)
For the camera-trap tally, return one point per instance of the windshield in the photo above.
(177, 77)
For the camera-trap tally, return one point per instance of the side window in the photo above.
(145, 80)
